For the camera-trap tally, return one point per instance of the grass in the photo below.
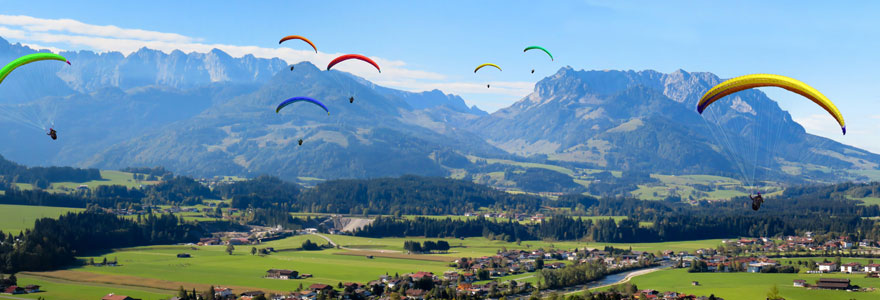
(159, 267)
(108, 178)
(211, 265)
(868, 200)
(742, 286)
(17, 218)
(60, 289)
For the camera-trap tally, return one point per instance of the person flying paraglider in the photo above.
(300, 142)
(533, 71)
(756, 201)
(53, 134)
(351, 99)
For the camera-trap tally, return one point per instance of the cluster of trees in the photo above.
(783, 217)
(150, 174)
(261, 192)
(409, 195)
(42, 176)
(179, 190)
(52, 243)
(426, 247)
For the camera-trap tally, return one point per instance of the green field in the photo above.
(749, 286)
(16, 218)
(211, 265)
(55, 289)
(108, 178)
(158, 267)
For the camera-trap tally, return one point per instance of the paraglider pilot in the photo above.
(756, 201)
(53, 134)
(300, 142)
(351, 99)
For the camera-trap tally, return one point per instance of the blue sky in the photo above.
(437, 44)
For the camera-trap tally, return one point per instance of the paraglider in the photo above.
(352, 56)
(299, 99)
(484, 65)
(53, 134)
(29, 59)
(351, 99)
(296, 37)
(300, 142)
(539, 48)
(291, 68)
(533, 71)
(737, 84)
(756, 201)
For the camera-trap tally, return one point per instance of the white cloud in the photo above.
(859, 133)
(32, 24)
(73, 35)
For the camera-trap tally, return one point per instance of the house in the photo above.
(827, 267)
(14, 290)
(833, 283)
(183, 255)
(756, 267)
(222, 292)
(416, 293)
(317, 287)
(800, 282)
(695, 283)
(282, 274)
(872, 268)
(305, 275)
(32, 288)
(112, 296)
(252, 294)
(451, 275)
(352, 285)
(851, 267)
(419, 275)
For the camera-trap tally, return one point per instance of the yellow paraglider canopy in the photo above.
(483, 65)
(737, 84)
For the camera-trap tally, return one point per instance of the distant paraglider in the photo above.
(351, 99)
(299, 99)
(487, 65)
(300, 142)
(539, 48)
(353, 56)
(297, 37)
(53, 134)
(291, 68)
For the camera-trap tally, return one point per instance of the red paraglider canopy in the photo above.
(354, 56)
(296, 37)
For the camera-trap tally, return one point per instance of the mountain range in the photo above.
(207, 114)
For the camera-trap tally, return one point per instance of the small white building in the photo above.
(827, 267)
(851, 267)
(872, 268)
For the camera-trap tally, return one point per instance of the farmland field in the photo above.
(16, 218)
(60, 289)
(748, 286)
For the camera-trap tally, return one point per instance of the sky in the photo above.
(425, 45)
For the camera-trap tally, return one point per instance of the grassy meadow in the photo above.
(17, 218)
(749, 286)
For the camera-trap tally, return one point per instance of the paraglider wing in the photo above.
(298, 99)
(483, 65)
(353, 56)
(737, 84)
(18, 62)
(539, 48)
(296, 37)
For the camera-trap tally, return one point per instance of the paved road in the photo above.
(10, 297)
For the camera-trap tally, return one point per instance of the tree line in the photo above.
(54, 243)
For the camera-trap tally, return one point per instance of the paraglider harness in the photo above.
(53, 134)
(756, 201)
